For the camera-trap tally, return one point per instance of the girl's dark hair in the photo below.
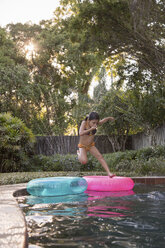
(92, 116)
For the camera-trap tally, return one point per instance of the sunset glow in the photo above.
(29, 50)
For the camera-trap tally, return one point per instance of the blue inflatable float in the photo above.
(55, 186)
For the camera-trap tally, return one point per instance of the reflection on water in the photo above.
(98, 219)
(99, 195)
(108, 210)
(31, 200)
(99, 210)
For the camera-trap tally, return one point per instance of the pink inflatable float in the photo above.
(104, 183)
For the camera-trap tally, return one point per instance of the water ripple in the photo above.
(93, 219)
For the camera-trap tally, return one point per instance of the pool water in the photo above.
(98, 219)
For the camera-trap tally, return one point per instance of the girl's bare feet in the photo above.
(111, 175)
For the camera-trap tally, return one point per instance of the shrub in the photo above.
(15, 144)
(146, 161)
(154, 166)
(58, 162)
(114, 159)
(145, 153)
(159, 151)
(150, 152)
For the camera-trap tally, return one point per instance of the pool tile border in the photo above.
(149, 180)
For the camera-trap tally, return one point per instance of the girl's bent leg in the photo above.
(95, 152)
(82, 155)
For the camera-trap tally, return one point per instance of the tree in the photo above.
(84, 105)
(95, 31)
(72, 47)
(15, 89)
(23, 34)
(147, 90)
(49, 96)
(118, 104)
(106, 27)
(100, 90)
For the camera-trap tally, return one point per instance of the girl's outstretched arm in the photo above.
(83, 131)
(106, 119)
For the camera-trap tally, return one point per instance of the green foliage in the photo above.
(132, 112)
(81, 109)
(16, 91)
(146, 161)
(100, 90)
(118, 104)
(15, 144)
(69, 51)
(8, 51)
(60, 163)
(139, 56)
(33, 90)
(129, 163)
(23, 177)
(112, 26)
(147, 89)
(115, 158)
(150, 152)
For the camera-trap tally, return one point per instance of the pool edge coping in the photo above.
(8, 204)
(13, 227)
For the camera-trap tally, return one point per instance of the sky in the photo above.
(14, 11)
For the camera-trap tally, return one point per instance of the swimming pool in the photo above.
(134, 219)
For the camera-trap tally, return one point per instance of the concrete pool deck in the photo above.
(13, 230)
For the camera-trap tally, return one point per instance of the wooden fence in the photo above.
(153, 138)
(50, 145)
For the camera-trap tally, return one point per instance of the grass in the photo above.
(24, 177)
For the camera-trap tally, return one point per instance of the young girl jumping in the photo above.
(87, 131)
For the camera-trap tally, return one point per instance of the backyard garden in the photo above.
(106, 56)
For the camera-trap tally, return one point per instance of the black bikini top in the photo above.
(91, 132)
